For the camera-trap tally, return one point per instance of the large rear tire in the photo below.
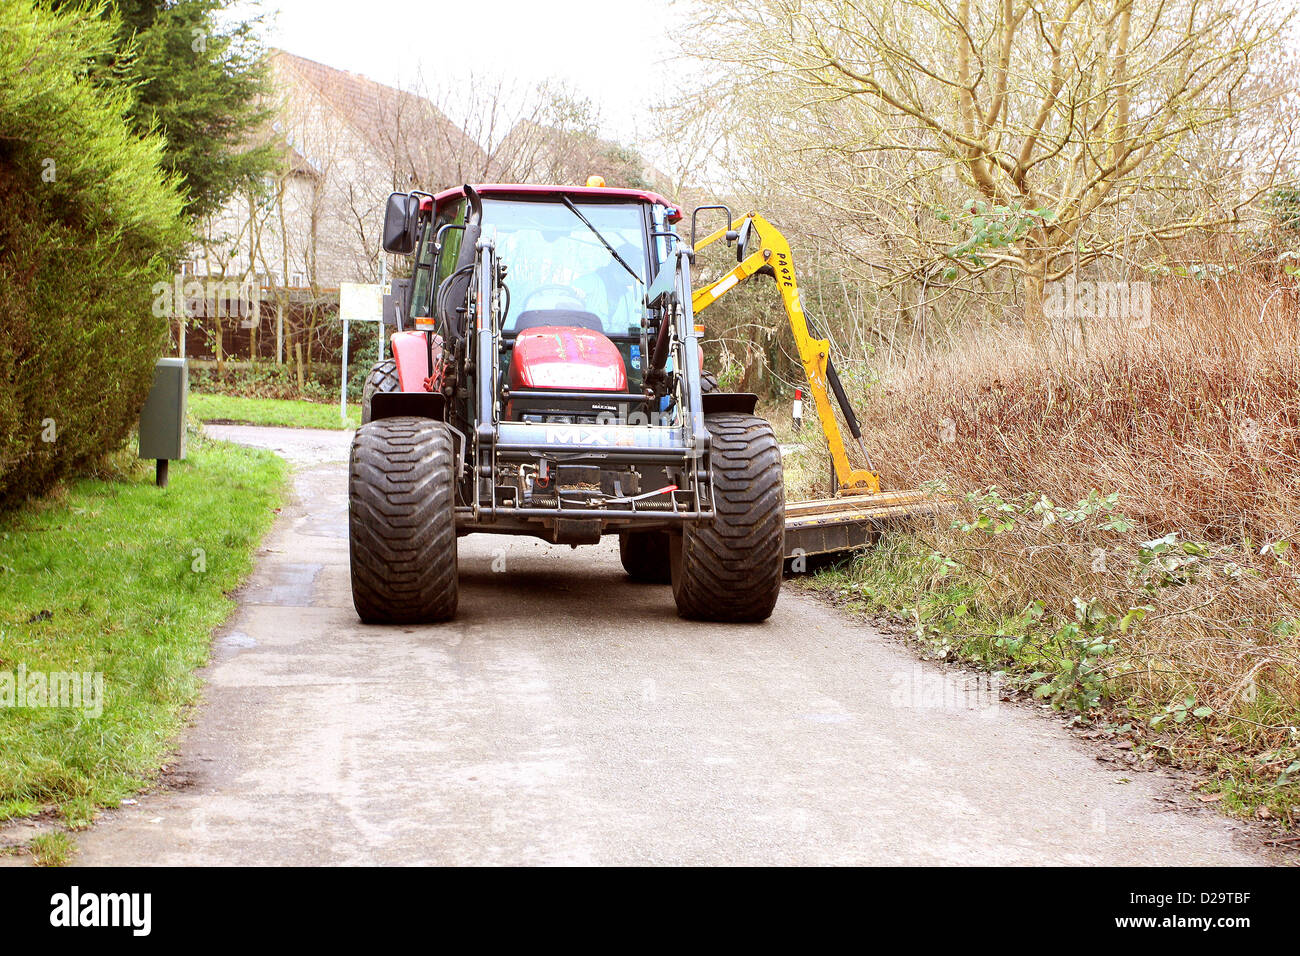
(730, 568)
(402, 521)
(645, 556)
(382, 378)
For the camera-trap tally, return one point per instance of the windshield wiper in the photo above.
(596, 232)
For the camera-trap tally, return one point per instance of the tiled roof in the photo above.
(411, 129)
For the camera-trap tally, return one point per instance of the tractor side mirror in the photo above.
(401, 217)
(700, 209)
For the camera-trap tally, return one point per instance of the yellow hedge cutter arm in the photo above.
(772, 257)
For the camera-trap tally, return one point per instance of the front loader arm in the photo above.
(772, 256)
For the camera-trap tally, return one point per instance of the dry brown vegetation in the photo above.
(1193, 418)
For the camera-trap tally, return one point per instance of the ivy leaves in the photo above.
(983, 227)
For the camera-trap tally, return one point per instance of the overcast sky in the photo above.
(613, 52)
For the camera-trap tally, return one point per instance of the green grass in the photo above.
(52, 849)
(125, 579)
(270, 411)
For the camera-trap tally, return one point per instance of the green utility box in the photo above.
(162, 420)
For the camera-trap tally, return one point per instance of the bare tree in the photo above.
(995, 136)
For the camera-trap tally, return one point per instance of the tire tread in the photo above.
(401, 521)
(730, 568)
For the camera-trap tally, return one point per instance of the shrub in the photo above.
(265, 380)
(1194, 418)
(87, 224)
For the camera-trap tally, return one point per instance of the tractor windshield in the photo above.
(559, 271)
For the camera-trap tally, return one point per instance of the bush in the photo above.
(265, 380)
(1193, 418)
(88, 223)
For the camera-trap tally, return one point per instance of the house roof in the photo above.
(419, 136)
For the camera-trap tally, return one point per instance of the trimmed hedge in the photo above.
(88, 223)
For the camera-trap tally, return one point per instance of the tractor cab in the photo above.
(577, 262)
(575, 307)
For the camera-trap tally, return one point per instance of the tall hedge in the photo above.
(88, 223)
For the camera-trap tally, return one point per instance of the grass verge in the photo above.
(118, 579)
(270, 411)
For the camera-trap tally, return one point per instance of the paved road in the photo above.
(569, 716)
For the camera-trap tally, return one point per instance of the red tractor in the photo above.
(546, 381)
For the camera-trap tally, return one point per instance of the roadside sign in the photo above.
(359, 302)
